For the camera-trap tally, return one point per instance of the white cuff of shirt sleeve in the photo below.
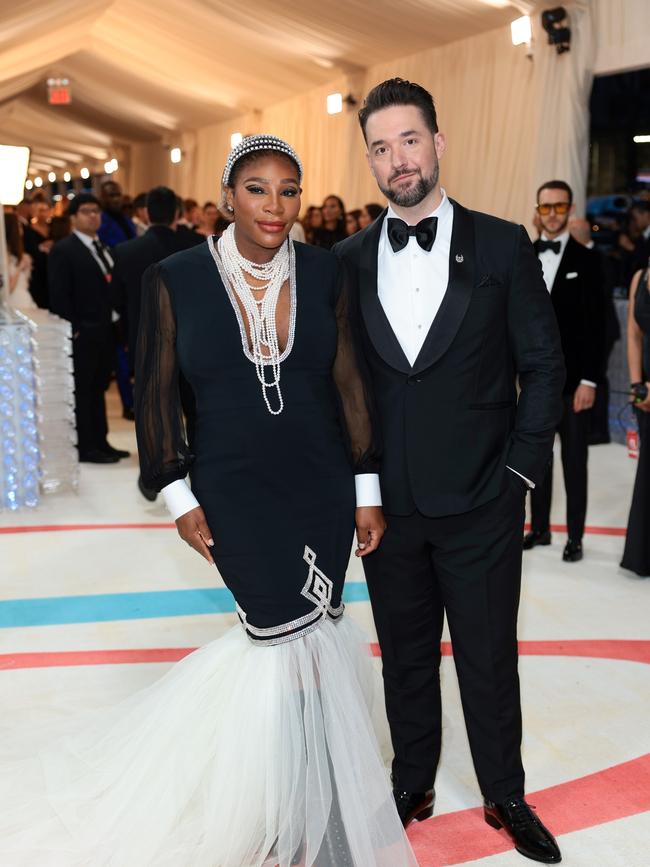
(588, 382)
(179, 499)
(530, 484)
(368, 490)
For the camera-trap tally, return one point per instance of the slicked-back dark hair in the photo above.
(397, 91)
(162, 206)
(556, 185)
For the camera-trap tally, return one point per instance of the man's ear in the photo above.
(440, 144)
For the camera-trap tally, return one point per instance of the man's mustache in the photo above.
(404, 171)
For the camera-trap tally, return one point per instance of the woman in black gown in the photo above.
(636, 555)
(257, 750)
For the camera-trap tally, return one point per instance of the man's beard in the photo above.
(560, 229)
(414, 194)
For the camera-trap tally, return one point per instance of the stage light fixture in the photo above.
(108, 168)
(235, 139)
(67, 177)
(85, 174)
(642, 139)
(29, 184)
(175, 155)
(554, 21)
(521, 31)
(334, 103)
(51, 177)
(114, 164)
(38, 181)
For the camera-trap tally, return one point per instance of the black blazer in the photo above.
(132, 258)
(579, 303)
(79, 291)
(451, 422)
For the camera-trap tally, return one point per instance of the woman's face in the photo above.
(364, 218)
(41, 212)
(331, 210)
(210, 215)
(351, 224)
(265, 201)
(316, 218)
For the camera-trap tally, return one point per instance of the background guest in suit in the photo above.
(131, 261)
(140, 216)
(451, 308)
(186, 234)
(79, 279)
(573, 277)
(115, 226)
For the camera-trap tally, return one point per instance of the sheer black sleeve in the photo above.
(160, 430)
(352, 381)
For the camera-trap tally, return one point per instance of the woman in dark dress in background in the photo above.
(333, 229)
(256, 750)
(636, 556)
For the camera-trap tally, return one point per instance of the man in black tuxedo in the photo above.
(132, 258)
(79, 276)
(573, 277)
(451, 308)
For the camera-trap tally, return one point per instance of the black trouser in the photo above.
(92, 352)
(468, 566)
(574, 442)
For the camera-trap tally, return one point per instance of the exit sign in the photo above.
(58, 91)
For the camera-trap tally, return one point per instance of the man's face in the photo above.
(87, 219)
(112, 197)
(554, 210)
(403, 154)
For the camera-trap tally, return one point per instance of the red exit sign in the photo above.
(58, 91)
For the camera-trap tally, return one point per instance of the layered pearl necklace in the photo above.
(261, 313)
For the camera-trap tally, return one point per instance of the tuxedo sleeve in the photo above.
(61, 286)
(592, 338)
(162, 445)
(538, 360)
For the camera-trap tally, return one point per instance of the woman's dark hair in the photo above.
(14, 236)
(59, 228)
(556, 185)
(162, 206)
(355, 214)
(374, 210)
(397, 91)
(247, 159)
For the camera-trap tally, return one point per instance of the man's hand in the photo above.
(370, 528)
(584, 397)
(193, 529)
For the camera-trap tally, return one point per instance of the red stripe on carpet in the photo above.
(59, 528)
(630, 650)
(607, 795)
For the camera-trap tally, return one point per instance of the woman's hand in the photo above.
(193, 529)
(370, 528)
(644, 405)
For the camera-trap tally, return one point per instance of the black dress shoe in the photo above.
(414, 805)
(536, 537)
(525, 830)
(148, 493)
(119, 453)
(572, 552)
(94, 456)
(128, 413)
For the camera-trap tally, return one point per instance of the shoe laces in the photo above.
(521, 813)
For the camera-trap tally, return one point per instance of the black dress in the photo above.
(636, 556)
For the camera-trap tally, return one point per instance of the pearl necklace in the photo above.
(261, 314)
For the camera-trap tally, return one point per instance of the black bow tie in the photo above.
(424, 233)
(555, 246)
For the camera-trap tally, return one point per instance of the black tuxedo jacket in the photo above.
(132, 258)
(451, 422)
(579, 303)
(79, 291)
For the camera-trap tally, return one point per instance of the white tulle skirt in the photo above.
(240, 756)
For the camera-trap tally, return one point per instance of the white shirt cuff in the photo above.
(179, 499)
(368, 490)
(588, 382)
(530, 484)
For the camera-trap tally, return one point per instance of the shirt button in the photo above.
(419, 326)
(417, 288)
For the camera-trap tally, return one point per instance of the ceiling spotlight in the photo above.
(38, 182)
(29, 185)
(521, 31)
(51, 177)
(554, 21)
(85, 174)
(114, 164)
(642, 139)
(235, 139)
(108, 168)
(334, 103)
(175, 155)
(67, 177)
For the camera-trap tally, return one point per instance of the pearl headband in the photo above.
(259, 143)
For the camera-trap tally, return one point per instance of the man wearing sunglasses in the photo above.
(572, 276)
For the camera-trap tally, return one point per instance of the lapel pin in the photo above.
(460, 258)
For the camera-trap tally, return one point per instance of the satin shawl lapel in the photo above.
(379, 329)
(462, 262)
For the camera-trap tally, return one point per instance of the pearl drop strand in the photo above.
(261, 313)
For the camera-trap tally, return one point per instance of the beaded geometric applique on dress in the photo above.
(318, 589)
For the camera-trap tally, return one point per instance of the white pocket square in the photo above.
(571, 275)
